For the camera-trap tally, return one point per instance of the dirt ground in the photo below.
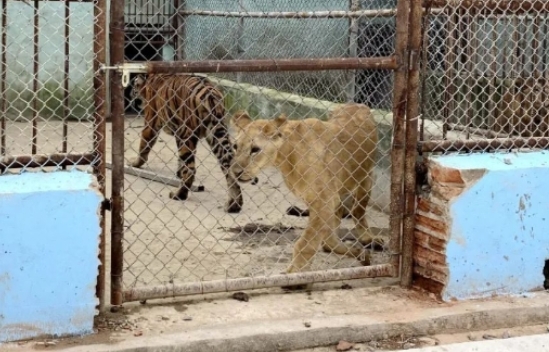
(168, 241)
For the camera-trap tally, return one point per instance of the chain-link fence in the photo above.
(208, 75)
(484, 83)
(52, 95)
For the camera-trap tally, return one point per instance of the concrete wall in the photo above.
(482, 229)
(261, 102)
(48, 254)
(51, 57)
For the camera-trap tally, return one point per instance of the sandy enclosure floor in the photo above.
(168, 241)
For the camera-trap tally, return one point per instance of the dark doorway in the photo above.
(139, 49)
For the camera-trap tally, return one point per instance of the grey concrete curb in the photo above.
(292, 335)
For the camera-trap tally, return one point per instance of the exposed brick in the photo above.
(431, 274)
(429, 285)
(430, 223)
(429, 207)
(433, 258)
(440, 174)
(430, 242)
(446, 192)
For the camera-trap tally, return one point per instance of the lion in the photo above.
(322, 162)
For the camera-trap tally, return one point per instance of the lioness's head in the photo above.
(256, 145)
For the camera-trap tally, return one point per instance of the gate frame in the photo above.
(405, 63)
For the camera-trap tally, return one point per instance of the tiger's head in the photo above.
(137, 92)
(256, 145)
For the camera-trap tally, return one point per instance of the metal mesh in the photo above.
(197, 240)
(47, 87)
(484, 75)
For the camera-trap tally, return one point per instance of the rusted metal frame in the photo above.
(535, 70)
(399, 134)
(516, 71)
(495, 6)
(117, 111)
(424, 68)
(66, 109)
(181, 31)
(253, 283)
(99, 132)
(265, 65)
(354, 5)
(3, 68)
(43, 160)
(412, 117)
(35, 79)
(469, 27)
(175, 26)
(483, 144)
(449, 63)
(296, 14)
(492, 79)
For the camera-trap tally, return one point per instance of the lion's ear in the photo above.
(240, 119)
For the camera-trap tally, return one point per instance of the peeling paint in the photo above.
(47, 284)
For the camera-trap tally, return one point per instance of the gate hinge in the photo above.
(106, 204)
(127, 68)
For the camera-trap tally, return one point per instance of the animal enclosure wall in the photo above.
(197, 244)
(52, 91)
(484, 75)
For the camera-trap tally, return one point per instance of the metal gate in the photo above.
(298, 58)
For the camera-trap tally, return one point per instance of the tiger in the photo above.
(188, 107)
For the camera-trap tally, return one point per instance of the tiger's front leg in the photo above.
(187, 168)
(221, 146)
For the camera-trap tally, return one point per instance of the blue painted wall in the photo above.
(500, 225)
(48, 254)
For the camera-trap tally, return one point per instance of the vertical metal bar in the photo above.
(182, 30)
(354, 5)
(469, 27)
(35, 80)
(66, 110)
(491, 119)
(4, 68)
(117, 110)
(397, 148)
(424, 68)
(99, 132)
(175, 27)
(412, 112)
(450, 59)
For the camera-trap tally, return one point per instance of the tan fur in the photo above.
(321, 163)
(524, 109)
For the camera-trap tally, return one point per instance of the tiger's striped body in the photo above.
(189, 108)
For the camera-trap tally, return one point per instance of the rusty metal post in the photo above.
(66, 109)
(271, 65)
(354, 5)
(412, 115)
(117, 111)
(4, 68)
(99, 135)
(35, 79)
(397, 149)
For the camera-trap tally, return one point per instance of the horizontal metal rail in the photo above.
(494, 6)
(294, 14)
(482, 144)
(253, 283)
(271, 65)
(43, 160)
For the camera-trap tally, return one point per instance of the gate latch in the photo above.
(127, 68)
